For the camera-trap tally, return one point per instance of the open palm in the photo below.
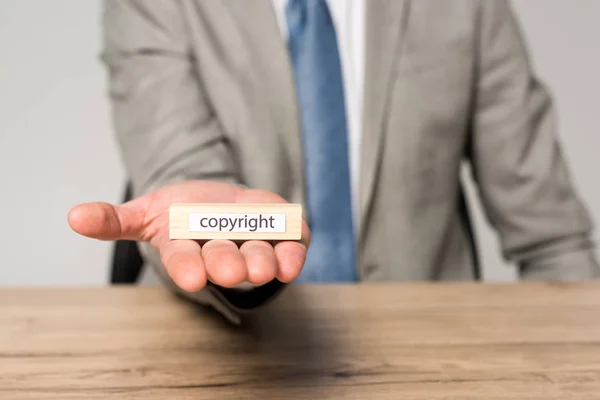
(191, 263)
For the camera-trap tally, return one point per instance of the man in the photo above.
(362, 111)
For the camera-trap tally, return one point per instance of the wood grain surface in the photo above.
(388, 341)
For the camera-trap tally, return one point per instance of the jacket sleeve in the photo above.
(166, 127)
(517, 161)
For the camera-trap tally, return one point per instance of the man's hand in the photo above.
(188, 262)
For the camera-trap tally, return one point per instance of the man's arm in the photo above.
(165, 125)
(167, 130)
(521, 173)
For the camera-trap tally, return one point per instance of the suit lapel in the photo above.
(386, 21)
(385, 24)
(273, 72)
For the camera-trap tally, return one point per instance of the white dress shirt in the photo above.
(349, 18)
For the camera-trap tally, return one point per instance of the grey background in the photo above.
(57, 147)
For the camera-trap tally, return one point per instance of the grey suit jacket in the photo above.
(204, 90)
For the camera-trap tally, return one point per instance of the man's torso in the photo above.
(418, 84)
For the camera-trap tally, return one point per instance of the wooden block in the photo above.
(235, 221)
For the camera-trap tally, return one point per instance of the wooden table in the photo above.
(389, 341)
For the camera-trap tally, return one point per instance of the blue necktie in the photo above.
(319, 87)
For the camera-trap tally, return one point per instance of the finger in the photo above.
(291, 256)
(108, 222)
(261, 262)
(225, 265)
(290, 259)
(183, 261)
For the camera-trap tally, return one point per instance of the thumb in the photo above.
(108, 222)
